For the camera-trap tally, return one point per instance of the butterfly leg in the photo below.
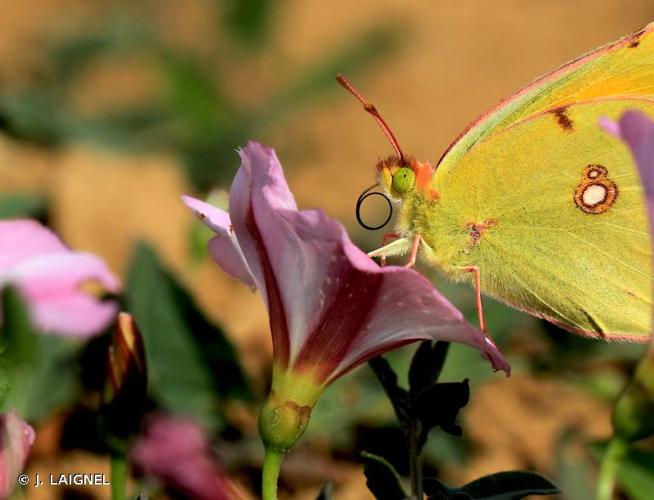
(414, 251)
(387, 236)
(480, 306)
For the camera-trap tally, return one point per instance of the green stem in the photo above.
(118, 477)
(271, 465)
(609, 467)
(415, 459)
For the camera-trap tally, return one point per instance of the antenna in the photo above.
(370, 108)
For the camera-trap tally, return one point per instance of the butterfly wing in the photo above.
(622, 68)
(554, 217)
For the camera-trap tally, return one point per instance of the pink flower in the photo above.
(634, 409)
(177, 452)
(637, 130)
(331, 306)
(49, 277)
(16, 438)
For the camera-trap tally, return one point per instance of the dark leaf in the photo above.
(382, 479)
(439, 406)
(508, 485)
(426, 365)
(399, 397)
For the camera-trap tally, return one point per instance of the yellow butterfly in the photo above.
(535, 203)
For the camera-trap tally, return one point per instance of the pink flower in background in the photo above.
(16, 438)
(49, 277)
(176, 451)
(637, 130)
(331, 306)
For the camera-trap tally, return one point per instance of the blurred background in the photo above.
(109, 111)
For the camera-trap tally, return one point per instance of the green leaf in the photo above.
(49, 381)
(426, 365)
(22, 118)
(189, 360)
(18, 340)
(22, 205)
(507, 485)
(399, 397)
(37, 371)
(382, 479)
(636, 475)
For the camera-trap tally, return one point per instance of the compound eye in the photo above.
(403, 179)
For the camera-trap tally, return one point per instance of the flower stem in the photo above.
(415, 459)
(610, 461)
(271, 465)
(118, 477)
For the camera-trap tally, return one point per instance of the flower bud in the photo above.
(126, 379)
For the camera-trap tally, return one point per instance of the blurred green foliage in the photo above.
(192, 112)
(39, 372)
(191, 364)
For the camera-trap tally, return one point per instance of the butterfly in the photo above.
(535, 203)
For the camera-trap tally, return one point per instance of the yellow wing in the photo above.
(621, 68)
(554, 217)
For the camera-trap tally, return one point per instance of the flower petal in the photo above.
(330, 305)
(224, 248)
(637, 130)
(23, 239)
(76, 315)
(51, 285)
(372, 310)
(177, 452)
(409, 308)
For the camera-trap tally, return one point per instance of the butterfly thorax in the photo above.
(446, 242)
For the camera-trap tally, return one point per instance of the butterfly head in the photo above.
(396, 177)
(401, 178)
